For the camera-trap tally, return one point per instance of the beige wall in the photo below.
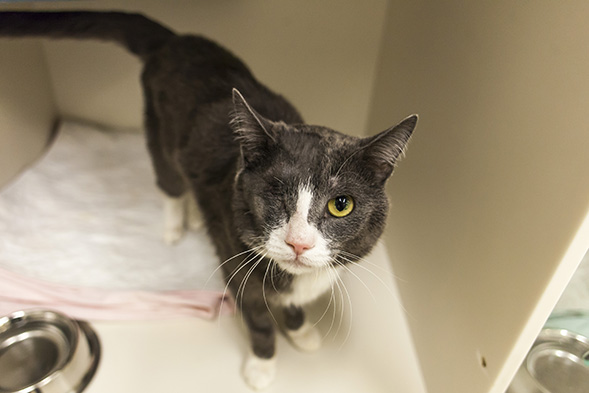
(320, 54)
(26, 105)
(489, 204)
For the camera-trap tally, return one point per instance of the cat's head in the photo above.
(308, 197)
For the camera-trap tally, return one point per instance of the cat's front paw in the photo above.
(173, 235)
(173, 219)
(307, 338)
(193, 216)
(195, 223)
(259, 373)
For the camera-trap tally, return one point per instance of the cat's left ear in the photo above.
(253, 132)
(382, 151)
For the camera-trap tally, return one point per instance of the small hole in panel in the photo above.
(483, 362)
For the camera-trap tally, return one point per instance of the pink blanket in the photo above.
(18, 292)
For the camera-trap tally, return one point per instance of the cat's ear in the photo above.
(253, 132)
(382, 151)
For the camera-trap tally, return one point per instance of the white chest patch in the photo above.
(309, 286)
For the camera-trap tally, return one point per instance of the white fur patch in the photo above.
(307, 287)
(259, 373)
(304, 202)
(307, 338)
(174, 210)
(298, 231)
(193, 215)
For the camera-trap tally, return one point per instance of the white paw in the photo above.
(307, 338)
(259, 373)
(173, 235)
(193, 216)
(174, 209)
(194, 223)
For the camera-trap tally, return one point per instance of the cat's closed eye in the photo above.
(340, 206)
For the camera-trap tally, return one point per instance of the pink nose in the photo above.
(299, 247)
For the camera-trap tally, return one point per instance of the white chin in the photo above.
(295, 267)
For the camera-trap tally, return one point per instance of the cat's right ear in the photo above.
(253, 132)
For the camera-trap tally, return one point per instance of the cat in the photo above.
(286, 204)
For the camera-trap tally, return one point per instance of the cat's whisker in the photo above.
(243, 283)
(334, 312)
(272, 275)
(390, 290)
(264, 291)
(339, 283)
(387, 272)
(363, 261)
(250, 258)
(351, 312)
(232, 275)
(253, 249)
(332, 298)
(343, 266)
(360, 264)
(326, 268)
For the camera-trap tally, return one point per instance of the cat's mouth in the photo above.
(298, 265)
(295, 266)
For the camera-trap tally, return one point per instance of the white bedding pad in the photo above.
(88, 214)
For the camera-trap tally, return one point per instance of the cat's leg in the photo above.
(259, 372)
(168, 176)
(174, 218)
(301, 332)
(193, 217)
(260, 365)
(175, 199)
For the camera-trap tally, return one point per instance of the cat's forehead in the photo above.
(316, 143)
(311, 155)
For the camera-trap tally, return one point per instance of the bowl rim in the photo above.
(80, 335)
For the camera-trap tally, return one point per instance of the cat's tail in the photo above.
(139, 34)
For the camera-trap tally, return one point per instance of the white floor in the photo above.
(200, 356)
(576, 294)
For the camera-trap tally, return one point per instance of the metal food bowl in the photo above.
(46, 352)
(557, 363)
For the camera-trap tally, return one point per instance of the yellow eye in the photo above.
(340, 206)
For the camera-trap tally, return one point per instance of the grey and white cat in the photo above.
(285, 203)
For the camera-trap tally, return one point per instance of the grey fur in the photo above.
(244, 157)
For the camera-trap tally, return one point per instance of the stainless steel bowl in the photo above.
(557, 363)
(46, 352)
